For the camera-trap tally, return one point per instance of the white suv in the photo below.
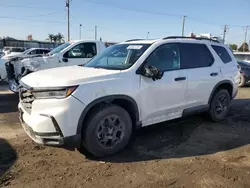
(129, 85)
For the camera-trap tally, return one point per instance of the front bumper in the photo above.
(51, 138)
(53, 122)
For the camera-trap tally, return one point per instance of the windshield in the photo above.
(59, 48)
(119, 56)
(242, 57)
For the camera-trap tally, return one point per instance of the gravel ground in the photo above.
(191, 152)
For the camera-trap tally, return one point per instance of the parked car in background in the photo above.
(242, 56)
(12, 51)
(70, 53)
(1, 53)
(137, 83)
(27, 53)
(244, 73)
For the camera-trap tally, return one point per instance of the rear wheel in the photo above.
(242, 81)
(219, 106)
(108, 131)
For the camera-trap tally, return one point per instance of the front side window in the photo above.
(119, 56)
(83, 50)
(165, 57)
(222, 53)
(195, 56)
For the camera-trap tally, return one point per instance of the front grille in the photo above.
(26, 98)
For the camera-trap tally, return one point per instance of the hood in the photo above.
(67, 76)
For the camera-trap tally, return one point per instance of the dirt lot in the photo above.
(191, 152)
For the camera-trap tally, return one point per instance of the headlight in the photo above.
(56, 93)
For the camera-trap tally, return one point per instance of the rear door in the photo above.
(202, 72)
(229, 64)
(79, 54)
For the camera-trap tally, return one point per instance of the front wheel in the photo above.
(108, 131)
(219, 106)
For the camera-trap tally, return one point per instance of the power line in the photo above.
(28, 7)
(26, 19)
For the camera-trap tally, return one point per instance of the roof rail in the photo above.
(134, 40)
(195, 38)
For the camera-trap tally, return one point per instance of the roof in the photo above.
(248, 53)
(174, 39)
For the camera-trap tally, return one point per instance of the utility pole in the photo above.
(95, 32)
(245, 39)
(183, 25)
(67, 6)
(147, 34)
(80, 31)
(225, 29)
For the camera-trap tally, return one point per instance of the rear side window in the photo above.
(195, 56)
(222, 52)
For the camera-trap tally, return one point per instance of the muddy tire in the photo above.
(220, 105)
(108, 131)
(242, 82)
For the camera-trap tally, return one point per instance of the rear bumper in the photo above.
(55, 138)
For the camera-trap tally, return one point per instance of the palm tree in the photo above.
(55, 38)
(60, 37)
(50, 37)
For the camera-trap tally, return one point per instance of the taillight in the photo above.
(239, 68)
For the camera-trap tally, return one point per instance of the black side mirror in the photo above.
(65, 60)
(152, 72)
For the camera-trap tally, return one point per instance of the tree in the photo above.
(242, 47)
(50, 37)
(234, 47)
(55, 38)
(60, 37)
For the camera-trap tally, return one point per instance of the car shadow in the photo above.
(192, 136)
(8, 156)
(8, 102)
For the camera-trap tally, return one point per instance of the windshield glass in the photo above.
(242, 57)
(119, 56)
(59, 48)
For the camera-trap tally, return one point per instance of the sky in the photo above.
(117, 21)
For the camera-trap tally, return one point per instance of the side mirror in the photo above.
(65, 60)
(152, 72)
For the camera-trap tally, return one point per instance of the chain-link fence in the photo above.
(27, 44)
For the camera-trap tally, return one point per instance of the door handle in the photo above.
(214, 74)
(180, 78)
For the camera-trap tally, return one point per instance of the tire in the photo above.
(93, 137)
(215, 105)
(242, 81)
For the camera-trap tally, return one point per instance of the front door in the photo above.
(163, 99)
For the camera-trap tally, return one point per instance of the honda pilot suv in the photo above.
(97, 107)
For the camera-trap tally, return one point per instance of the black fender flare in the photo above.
(217, 86)
(104, 99)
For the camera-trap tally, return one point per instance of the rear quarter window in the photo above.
(222, 53)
